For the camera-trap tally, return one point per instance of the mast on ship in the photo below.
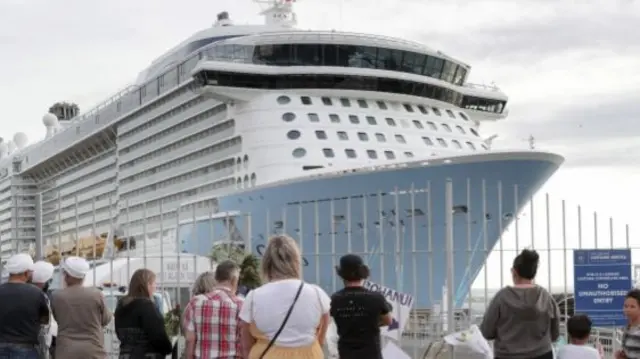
(279, 12)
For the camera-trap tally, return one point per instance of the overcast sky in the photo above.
(571, 68)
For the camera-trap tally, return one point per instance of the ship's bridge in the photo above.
(426, 72)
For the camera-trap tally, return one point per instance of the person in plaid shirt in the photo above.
(212, 322)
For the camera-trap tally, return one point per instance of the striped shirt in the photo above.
(631, 342)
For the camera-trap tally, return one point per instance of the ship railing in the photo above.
(491, 87)
(96, 110)
(91, 113)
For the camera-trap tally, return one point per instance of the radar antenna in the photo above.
(279, 12)
(532, 142)
(489, 140)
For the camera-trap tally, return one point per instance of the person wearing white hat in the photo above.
(81, 313)
(41, 278)
(24, 309)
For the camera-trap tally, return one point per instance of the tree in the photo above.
(249, 263)
(250, 272)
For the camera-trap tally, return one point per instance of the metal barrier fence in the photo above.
(430, 247)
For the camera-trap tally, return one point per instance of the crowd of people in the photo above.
(523, 320)
(285, 318)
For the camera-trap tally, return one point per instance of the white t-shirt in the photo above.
(267, 306)
(572, 351)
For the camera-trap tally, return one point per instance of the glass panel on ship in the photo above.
(376, 54)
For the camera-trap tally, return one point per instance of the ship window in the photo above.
(409, 154)
(321, 135)
(362, 103)
(246, 161)
(456, 143)
(418, 124)
(473, 130)
(381, 105)
(485, 147)
(380, 137)
(432, 126)
(446, 127)
(328, 153)
(460, 129)
(464, 117)
(253, 179)
(288, 116)
(372, 154)
(423, 109)
(450, 113)
(313, 117)
(471, 146)
(326, 101)
(408, 107)
(371, 120)
(306, 100)
(345, 102)
(427, 141)
(442, 142)
(363, 136)
(390, 121)
(343, 136)
(400, 139)
(389, 155)
(283, 100)
(436, 111)
(350, 153)
(299, 152)
(354, 119)
(334, 118)
(293, 134)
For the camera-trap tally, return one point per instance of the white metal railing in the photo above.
(491, 87)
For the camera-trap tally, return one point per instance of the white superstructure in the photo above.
(171, 138)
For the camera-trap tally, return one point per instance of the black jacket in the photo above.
(140, 329)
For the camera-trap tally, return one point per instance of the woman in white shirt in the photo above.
(284, 318)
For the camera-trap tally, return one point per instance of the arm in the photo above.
(246, 317)
(105, 314)
(554, 330)
(325, 306)
(246, 338)
(190, 329)
(489, 325)
(45, 314)
(386, 318)
(153, 326)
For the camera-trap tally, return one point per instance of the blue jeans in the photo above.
(18, 351)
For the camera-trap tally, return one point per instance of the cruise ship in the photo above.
(342, 140)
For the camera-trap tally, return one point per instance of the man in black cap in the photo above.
(358, 313)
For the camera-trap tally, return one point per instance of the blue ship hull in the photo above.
(329, 216)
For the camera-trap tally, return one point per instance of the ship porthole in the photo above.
(283, 100)
(293, 134)
(299, 152)
(288, 117)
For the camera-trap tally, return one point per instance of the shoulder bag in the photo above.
(284, 322)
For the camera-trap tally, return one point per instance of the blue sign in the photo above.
(601, 280)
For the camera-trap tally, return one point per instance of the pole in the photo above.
(449, 246)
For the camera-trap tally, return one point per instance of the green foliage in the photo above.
(250, 272)
(172, 321)
(249, 263)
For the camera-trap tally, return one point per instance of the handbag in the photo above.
(284, 322)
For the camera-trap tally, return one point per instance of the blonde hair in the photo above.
(204, 283)
(281, 259)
